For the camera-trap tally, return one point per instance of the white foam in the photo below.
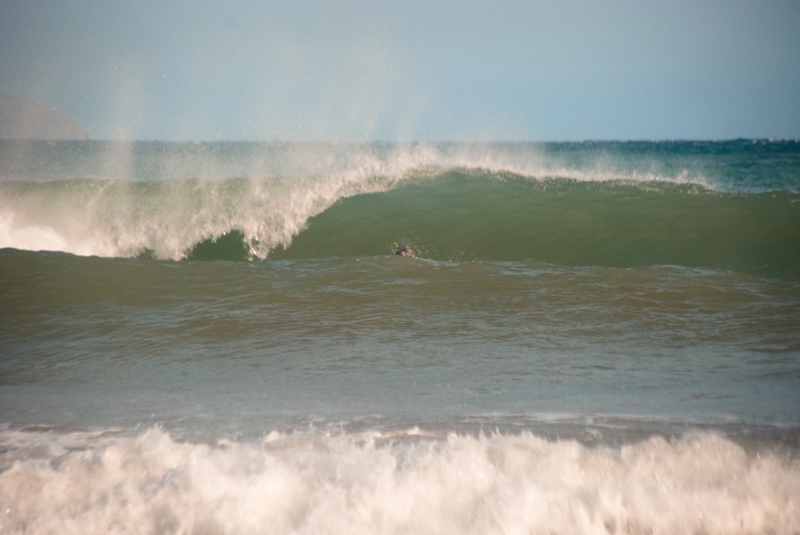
(33, 237)
(316, 483)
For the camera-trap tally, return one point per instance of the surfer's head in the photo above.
(405, 251)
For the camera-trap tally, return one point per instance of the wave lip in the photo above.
(313, 482)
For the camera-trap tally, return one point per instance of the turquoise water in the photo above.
(593, 337)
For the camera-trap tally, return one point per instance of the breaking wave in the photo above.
(593, 206)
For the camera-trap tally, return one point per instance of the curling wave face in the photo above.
(478, 216)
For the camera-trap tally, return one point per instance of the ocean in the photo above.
(209, 338)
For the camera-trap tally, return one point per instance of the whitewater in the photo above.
(208, 338)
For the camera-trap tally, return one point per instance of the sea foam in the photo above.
(315, 482)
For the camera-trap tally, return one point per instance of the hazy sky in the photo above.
(409, 70)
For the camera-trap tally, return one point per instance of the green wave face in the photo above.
(467, 216)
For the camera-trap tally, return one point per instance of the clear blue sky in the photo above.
(409, 70)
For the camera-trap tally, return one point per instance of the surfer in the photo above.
(405, 251)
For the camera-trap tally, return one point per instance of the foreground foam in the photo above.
(313, 482)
